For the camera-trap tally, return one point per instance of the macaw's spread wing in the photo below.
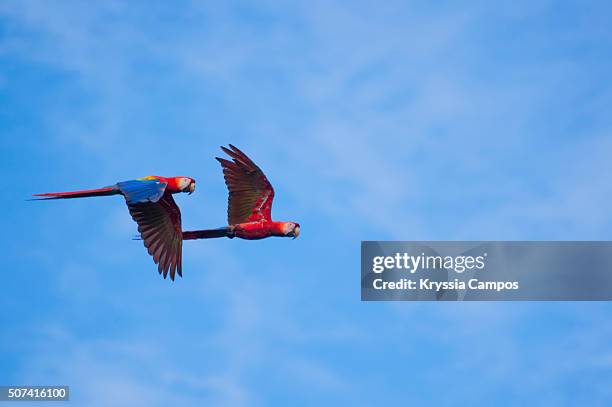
(142, 190)
(159, 224)
(250, 192)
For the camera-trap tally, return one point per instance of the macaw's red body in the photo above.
(149, 200)
(249, 203)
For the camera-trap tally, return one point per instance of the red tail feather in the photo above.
(208, 234)
(80, 194)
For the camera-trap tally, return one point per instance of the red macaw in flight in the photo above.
(249, 203)
(149, 200)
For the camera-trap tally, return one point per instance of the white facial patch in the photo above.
(288, 227)
(183, 183)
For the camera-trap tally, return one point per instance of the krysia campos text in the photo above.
(456, 284)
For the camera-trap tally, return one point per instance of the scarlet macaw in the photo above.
(249, 203)
(149, 200)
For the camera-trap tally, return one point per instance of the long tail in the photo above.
(208, 234)
(78, 194)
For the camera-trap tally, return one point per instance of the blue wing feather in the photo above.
(136, 191)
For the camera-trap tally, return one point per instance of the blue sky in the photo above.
(403, 120)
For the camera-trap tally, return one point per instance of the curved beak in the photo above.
(191, 188)
(296, 232)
